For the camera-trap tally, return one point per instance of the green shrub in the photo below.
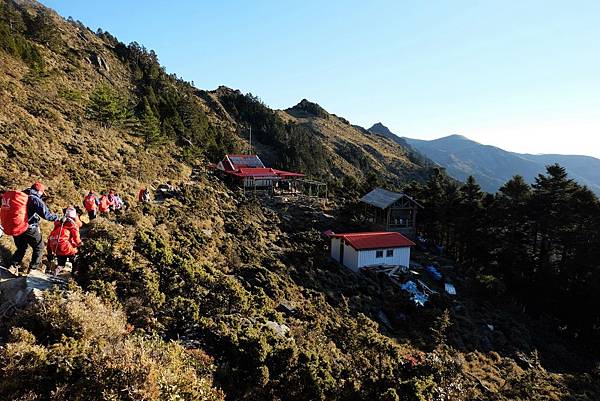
(73, 346)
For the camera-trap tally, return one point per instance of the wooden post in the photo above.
(387, 219)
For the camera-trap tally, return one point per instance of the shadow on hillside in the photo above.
(477, 323)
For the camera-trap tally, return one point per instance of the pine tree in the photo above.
(511, 213)
(107, 107)
(469, 223)
(150, 127)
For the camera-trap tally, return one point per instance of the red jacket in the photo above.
(64, 239)
(104, 204)
(90, 202)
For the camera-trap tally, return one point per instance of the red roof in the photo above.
(375, 240)
(286, 174)
(263, 172)
(256, 172)
(252, 166)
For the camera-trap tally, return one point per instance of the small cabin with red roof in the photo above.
(356, 250)
(250, 170)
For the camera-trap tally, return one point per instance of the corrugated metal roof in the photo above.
(239, 161)
(382, 198)
(375, 240)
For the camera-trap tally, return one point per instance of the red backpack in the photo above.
(13, 213)
(59, 241)
(104, 204)
(90, 203)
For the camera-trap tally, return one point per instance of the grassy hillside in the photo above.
(210, 295)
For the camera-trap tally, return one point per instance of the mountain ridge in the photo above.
(211, 293)
(492, 166)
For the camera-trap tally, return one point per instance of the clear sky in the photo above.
(521, 75)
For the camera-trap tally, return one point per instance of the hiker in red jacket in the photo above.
(144, 195)
(64, 239)
(104, 204)
(20, 215)
(90, 202)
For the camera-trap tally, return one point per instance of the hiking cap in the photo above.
(38, 186)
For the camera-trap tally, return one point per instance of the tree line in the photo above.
(540, 243)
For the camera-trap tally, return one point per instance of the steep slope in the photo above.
(209, 290)
(354, 151)
(324, 146)
(492, 166)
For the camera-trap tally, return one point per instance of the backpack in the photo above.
(13, 213)
(59, 241)
(90, 203)
(104, 204)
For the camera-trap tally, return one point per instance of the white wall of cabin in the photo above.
(335, 249)
(367, 257)
(350, 258)
(354, 259)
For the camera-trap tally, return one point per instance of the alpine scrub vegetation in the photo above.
(211, 295)
(74, 346)
(226, 295)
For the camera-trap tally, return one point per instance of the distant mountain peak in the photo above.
(379, 128)
(307, 108)
(493, 166)
(455, 137)
(382, 130)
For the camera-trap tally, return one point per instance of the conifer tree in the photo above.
(107, 107)
(150, 127)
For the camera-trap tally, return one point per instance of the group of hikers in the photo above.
(105, 203)
(22, 211)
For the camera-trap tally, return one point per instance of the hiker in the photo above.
(64, 239)
(144, 195)
(20, 214)
(71, 210)
(112, 200)
(104, 204)
(90, 202)
(117, 202)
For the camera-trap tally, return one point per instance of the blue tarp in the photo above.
(418, 297)
(434, 273)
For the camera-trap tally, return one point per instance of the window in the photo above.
(389, 253)
(379, 254)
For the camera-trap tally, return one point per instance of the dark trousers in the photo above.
(92, 214)
(33, 238)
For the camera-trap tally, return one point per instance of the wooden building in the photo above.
(249, 172)
(252, 174)
(391, 211)
(356, 250)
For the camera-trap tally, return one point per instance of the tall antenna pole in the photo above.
(250, 151)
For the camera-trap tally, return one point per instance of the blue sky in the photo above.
(522, 75)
